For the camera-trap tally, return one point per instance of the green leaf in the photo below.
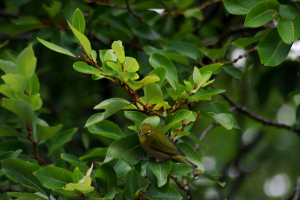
(15, 81)
(153, 194)
(83, 67)
(135, 181)
(239, 7)
(46, 132)
(26, 62)
(161, 72)
(135, 85)
(78, 21)
(272, 50)
(20, 108)
(127, 149)
(8, 67)
(119, 50)
(157, 60)
(33, 85)
(211, 67)
(135, 116)
(75, 162)
(77, 175)
(131, 65)
(186, 49)
(233, 71)
(54, 177)
(287, 12)
(153, 120)
(153, 94)
(10, 154)
(289, 30)
(154, 182)
(206, 94)
(192, 155)
(193, 12)
(197, 78)
(85, 189)
(56, 48)
(107, 129)
(262, 13)
(244, 42)
(60, 140)
(210, 176)
(94, 154)
(175, 118)
(26, 196)
(215, 54)
(54, 9)
(22, 172)
(106, 178)
(161, 171)
(220, 113)
(105, 104)
(82, 39)
(8, 131)
(145, 32)
(110, 56)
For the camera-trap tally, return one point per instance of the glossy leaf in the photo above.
(289, 30)
(119, 50)
(192, 155)
(78, 21)
(153, 94)
(10, 154)
(211, 67)
(83, 67)
(272, 50)
(154, 182)
(26, 196)
(33, 85)
(153, 194)
(127, 149)
(94, 154)
(135, 85)
(106, 178)
(186, 49)
(56, 48)
(210, 176)
(8, 67)
(131, 65)
(75, 162)
(157, 60)
(244, 42)
(161, 171)
(85, 189)
(77, 175)
(135, 116)
(46, 132)
(22, 172)
(105, 104)
(206, 94)
(107, 129)
(239, 7)
(135, 181)
(175, 118)
(82, 39)
(61, 139)
(19, 107)
(26, 62)
(8, 131)
(54, 9)
(233, 71)
(153, 120)
(287, 12)
(262, 13)
(54, 177)
(161, 72)
(15, 81)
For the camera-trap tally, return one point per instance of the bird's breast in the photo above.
(156, 154)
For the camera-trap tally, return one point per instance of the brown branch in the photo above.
(205, 132)
(134, 14)
(185, 189)
(242, 56)
(34, 144)
(265, 121)
(296, 194)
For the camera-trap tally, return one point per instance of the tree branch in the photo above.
(134, 14)
(206, 4)
(265, 121)
(296, 194)
(241, 56)
(34, 144)
(185, 189)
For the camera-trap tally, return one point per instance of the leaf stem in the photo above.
(34, 144)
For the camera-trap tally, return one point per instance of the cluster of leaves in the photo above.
(165, 91)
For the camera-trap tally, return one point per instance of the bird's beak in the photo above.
(142, 134)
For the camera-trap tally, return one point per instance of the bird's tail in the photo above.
(185, 161)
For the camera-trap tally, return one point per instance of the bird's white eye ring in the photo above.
(148, 132)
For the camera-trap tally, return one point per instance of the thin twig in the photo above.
(242, 56)
(265, 121)
(296, 194)
(34, 144)
(204, 133)
(185, 189)
(134, 14)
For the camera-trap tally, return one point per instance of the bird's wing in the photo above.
(163, 144)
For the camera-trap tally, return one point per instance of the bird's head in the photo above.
(146, 130)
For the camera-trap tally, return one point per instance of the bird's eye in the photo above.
(148, 132)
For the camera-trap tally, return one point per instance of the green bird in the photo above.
(160, 146)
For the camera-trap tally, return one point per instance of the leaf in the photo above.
(75, 162)
(186, 49)
(22, 172)
(206, 94)
(192, 155)
(157, 60)
(262, 13)
(83, 67)
(197, 78)
(135, 85)
(33, 85)
(82, 39)
(106, 178)
(15, 81)
(8, 131)
(220, 113)
(153, 194)
(161, 171)
(54, 9)
(194, 12)
(46, 132)
(60, 140)
(56, 48)
(272, 50)
(119, 50)
(20, 108)
(244, 42)
(26, 196)
(233, 71)
(131, 65)
(94, 154)
(10, 154)
(127, 149)
(78, 21)
(54, 177)
(154, 182)
(85, 189)
(135, 181)
(210, 176)
(105, 104)
(289, 30)
(239, 7)
(153, 120)
(211, 67)
(8, 67)
(107, 129)
(287, 12)
(145, 32)
(77, 175)
(161, 72)
(297, 115)
(135, 116)
(26, 62)
(175, 118)
(109, 56)
(153, 94)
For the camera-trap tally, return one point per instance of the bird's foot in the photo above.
(141, 158)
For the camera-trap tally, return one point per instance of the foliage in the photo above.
(167, 70)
